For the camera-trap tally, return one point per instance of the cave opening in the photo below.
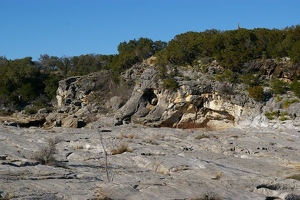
(150, 97)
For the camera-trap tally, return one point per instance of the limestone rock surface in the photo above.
(157, 163)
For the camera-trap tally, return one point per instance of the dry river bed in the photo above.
(149, 163)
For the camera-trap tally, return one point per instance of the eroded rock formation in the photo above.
(196, 103)
(141, 97)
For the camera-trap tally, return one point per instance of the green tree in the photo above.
(64, 66)
(47, 63)
(294, 53)
(21, 80)
(85, 64)
(183, 49)
(51, 84)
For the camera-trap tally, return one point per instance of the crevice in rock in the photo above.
(149, 97)
(37, 123)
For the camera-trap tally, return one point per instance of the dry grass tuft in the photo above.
(201, 136)
(101, 194)
(7, 196)
(295, 165)
(123, 147)
(130, 136)
(295, 177)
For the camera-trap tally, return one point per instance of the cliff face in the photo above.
(142, 98)
(199, 102)
(280, 68)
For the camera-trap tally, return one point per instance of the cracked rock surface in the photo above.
(156, 163)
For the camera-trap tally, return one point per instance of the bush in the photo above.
(249, 79)
(31, 110)
(46, 154)
(257, 93)
(272, 115)
(278, 86)
(170, 83)
(295, 87)
(227, 75)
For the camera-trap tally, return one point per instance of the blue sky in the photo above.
(76, 27)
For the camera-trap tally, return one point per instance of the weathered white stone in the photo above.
(164, 163)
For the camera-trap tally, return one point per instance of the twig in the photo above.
(105, 156)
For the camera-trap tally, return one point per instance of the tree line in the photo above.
(24, 81)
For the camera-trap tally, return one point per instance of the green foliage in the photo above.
(51, 84)
(295, 87)
(272, 115)
(288, 102)
(28, 92)
(183, 49)
(133, 52)
(278, 86)
(24, 80)
(170, 83)
(31, 110)
(20, 81)
(227, 75)
(294, 53)
(65, 66)
(232, 48)
(283, 118)
(278, 98)
(257, 93)
(136, 51)
(249, 79)
(162, 71)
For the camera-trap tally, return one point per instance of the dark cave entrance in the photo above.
(150, 97)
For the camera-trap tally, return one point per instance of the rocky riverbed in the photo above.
(149, 163)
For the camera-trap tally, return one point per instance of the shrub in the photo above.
(31, 110)
(278, 86)
(249, 79)
(170, 83)
(227, 75)
(257, 93)
(295, 87)
(46, 154)
(272, 115)
(283, 118)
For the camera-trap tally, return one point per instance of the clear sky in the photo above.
(76, 27)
